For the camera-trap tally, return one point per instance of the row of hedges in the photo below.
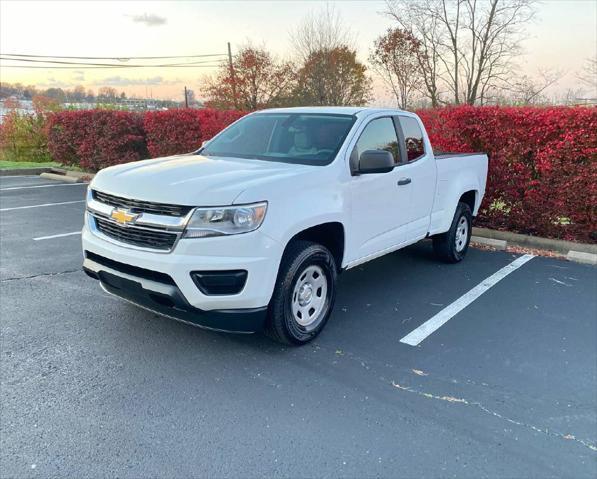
(95, 139)
(542, 165)
(542, 169)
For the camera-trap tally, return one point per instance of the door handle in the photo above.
(404, 181)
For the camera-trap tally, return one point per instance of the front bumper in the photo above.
(180, 298)
(166, 299)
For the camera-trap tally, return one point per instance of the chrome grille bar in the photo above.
(150, 231)
(137, 236)
(139, 206)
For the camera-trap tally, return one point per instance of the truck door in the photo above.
(379, 203)
(420, 169)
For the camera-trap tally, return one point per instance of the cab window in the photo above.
(380, 134)
(413, 138)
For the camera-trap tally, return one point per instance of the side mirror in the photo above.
(376, 161)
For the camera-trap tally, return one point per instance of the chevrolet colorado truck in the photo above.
(250, 232)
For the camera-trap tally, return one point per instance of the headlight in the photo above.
(228, 220)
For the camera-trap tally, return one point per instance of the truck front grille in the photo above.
(143, 237)
(139, 206)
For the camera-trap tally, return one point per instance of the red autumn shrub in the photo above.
(182, 131)
(213, 121)
(542, 165)
(95, 139)
(172, 132)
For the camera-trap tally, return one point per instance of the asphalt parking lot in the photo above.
(94, 387)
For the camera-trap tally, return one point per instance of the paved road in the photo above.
(94, 387)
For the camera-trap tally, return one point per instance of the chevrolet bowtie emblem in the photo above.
(123, 217)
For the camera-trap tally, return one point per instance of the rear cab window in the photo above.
(413, 138)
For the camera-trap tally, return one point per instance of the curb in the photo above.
(580, 257)
(578, 252)
(75, 174)
(500, 245)
(24, 171)
(65, 178)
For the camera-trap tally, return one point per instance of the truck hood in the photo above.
(191, 179)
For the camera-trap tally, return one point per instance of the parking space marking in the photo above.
(42, 205)
(61, 235)
(415, 337)
(40, 186)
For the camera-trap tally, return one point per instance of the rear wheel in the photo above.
(304, 294)
(452, 246)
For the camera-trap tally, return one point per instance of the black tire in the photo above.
(446, 246)
(300, 257)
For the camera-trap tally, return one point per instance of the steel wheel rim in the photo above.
(461, 233)
(309, 296)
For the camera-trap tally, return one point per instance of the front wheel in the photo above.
(452, 246)
(304, 294)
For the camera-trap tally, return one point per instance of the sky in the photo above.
(562, 37)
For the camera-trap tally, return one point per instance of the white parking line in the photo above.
(40, 186)
(62, 235)
(415, 337)
(40, 206)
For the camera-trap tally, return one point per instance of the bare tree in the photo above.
(328, 71)
(412, 17)
(473, 42)
(588, 75)
(528, 90)
(319, 31)
(395, 58)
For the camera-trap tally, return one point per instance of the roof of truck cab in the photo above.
(337, 110)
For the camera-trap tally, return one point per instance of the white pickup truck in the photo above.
(250, 232)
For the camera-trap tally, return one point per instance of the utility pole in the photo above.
(232, 77)
(186, 98)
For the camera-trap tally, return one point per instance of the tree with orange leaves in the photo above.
(260, 81)
(395, 57)
(333, 76)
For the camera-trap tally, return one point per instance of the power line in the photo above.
(121, 58)
(60, 62)
(108, 67)
(77, 65)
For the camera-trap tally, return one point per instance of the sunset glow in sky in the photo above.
(563, 37)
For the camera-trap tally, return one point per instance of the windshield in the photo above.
(312, 139)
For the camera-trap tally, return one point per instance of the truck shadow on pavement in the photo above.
(377, 303)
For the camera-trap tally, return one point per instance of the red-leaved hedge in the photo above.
(172, 131)
(542, 165)
(182, 131)
(542, 161)
(95, 139)
(213, 121)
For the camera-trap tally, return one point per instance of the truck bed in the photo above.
(456, 173)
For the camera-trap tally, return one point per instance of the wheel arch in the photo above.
(470, 198)
(330, 234)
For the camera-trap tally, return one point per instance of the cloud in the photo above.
(123, 81)
(52, 82)
(149, 19)
(78, 75)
